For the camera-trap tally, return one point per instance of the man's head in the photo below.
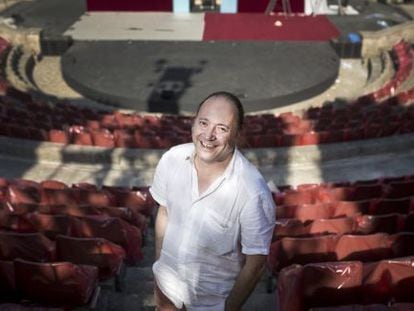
(216, 127)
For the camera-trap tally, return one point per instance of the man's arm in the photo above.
(160, 226)
(246, 281)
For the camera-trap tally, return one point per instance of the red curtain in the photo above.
(129, 5)
(297, 6)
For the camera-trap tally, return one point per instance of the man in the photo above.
(216, 215)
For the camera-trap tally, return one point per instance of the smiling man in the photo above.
(216, 215)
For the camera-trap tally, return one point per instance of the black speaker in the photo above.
(348, 46)
(54, 45)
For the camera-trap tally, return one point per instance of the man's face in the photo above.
(215, 131)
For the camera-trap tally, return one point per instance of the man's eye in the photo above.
(222, 130)
(202, 123)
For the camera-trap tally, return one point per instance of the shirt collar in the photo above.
(230, 167)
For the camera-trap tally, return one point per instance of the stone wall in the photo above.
(376, 42)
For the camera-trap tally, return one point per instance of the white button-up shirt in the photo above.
(207, 235)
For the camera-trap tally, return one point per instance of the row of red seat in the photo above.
(371, 247)
(399, 306)
(403, 58)
(107, 256)
(51, 192)
(280, 132)
(38, 217)
(312, 194)
(62, 284)
(327, 286)
(307, 212)
(358, 224)
(112, 229)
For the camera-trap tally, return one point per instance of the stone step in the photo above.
(24, 69)
(11, 69)
(382, 72)
(375, 67)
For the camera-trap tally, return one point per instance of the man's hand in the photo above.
(160, 226)
(246, 281)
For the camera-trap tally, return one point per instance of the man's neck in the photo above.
(207, 173)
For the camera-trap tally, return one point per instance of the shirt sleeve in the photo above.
(257, 222)
(158, 187)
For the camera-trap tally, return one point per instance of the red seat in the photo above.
(143, 140)
(82, 138)
(59, 136)
(19, 193)
(16, 222)
(350, 208)
(402, 244)
(53, 184)
(58, 196)
(51, 225)
(59, 283)
(388, 280)
(7, 280)
(290, 228)
(319, 285)
(70, 210)
(30, 246)
(95, 197)
(305, 212)
(389, 206)
(114, 230)
(313, 211)
(367, 192)
(139, 200)
(401, 189)
(389, 223)
(98, 252)
(127, 214)
(103, 138)
(336, 226)
(298, 197)
(289, 251)
(409, 223)
(363, 247)
(124, 139)
(373, 307)
(335, 194)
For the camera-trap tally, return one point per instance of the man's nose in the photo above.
(210, 132)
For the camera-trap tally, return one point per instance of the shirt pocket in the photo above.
(217, 234)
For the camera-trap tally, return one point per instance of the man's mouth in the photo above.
(206, 145)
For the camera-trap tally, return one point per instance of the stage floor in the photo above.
(163, 26)
(162, 76)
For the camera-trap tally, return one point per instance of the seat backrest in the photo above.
(319, 285)
(59, 283)
(113, 229)
(331, 283)
(350, 208)
(389, 206)
(388, 280)
(17, 194)
(334, 226)
(7, 282)
(105, 255)
(29, 246)
(365, 248)
(389, 223)
(402, 244)
(51, 225)
(289, 251)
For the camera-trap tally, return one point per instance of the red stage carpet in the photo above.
(251, 26)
